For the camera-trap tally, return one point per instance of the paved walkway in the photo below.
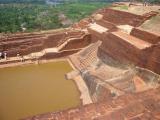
(86, 99)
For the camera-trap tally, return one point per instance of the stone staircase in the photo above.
(91, 57)
(86, 56)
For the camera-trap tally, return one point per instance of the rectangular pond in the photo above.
(35, 89)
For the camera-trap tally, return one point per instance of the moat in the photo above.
(34, 89)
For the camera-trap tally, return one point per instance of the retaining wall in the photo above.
(106, 24)
(59, 54)
(78, 43)
(140, 106)
(119, 49)
(97, 89)
(122, 18)
(146, 36)
(154, 60)
(124, 52)
(28, 44)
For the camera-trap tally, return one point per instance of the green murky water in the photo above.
(34, 89)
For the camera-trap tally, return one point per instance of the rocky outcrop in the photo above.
(107, 78)
(138, 106)
(82, 23)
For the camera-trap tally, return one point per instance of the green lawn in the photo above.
(123, 7)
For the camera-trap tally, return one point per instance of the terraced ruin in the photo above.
(117, 58)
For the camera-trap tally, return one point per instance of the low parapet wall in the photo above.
(145, 35)
(60, 54)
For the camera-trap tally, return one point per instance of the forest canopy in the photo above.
(36, 15)
(24, 15)
(22, 1)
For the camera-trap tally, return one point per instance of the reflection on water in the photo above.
(34, 89)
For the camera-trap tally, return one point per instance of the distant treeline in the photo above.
(148, 1)
(154, 1)
(84, 1)
(44, 1)
(22, 1)
(70, 1)
(35, 17)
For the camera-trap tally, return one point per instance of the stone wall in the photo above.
(34, 43)
(97, 89)
(144, 35)
(122, 18)
(106, 24)
(78, 43)
(60, 54)
(154, 60)
(127, 53)
(21, 46)
(95, 36)
(138, 106)
(119, 49)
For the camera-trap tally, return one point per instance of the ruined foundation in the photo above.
(118, 61)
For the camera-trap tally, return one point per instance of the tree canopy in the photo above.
(17, 17)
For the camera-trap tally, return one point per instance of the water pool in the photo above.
(34, 89)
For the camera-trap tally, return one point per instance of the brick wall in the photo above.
(144, 35)
(124, 52)
(119, 49)
(154, 60)
(122, 18)
(28, 44)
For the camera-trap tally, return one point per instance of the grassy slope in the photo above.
(153, 24)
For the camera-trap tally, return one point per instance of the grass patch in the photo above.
(123, 7)
(153, 24)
